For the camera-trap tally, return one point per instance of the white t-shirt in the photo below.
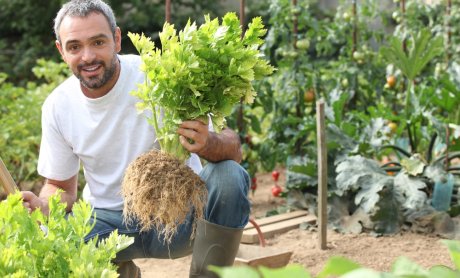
(105, 134)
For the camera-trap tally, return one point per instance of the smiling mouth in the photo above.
(90, 68)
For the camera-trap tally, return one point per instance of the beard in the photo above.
(97, 82)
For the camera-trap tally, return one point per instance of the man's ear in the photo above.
(61, 51)
(118, 39)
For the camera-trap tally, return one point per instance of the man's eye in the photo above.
(74, 47)
(98, 43)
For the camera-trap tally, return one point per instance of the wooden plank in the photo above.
(322, 174)
(269, 230)
(6, 180)
(253, 255)
(276, 218)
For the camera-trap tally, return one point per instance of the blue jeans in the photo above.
(227, 184)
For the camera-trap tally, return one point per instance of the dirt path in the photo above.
(375, 252)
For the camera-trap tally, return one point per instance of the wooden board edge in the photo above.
(6, 180)
(252, 236)
(276, 218)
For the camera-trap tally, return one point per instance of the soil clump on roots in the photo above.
(159, 191)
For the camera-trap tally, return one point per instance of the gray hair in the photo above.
(82, 8)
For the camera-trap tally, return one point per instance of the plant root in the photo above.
(159, 192)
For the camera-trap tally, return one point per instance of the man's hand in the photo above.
(68, 194)
(214, 147)
(193, 135)
(33, 202)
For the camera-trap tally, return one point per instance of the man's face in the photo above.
(89, 48)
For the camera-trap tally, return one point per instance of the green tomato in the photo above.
(358, 55)
(292, 54)
(295, 11)
(283, 53)
(303, 44)
(344, 83)
(253, 156)
(346, 16)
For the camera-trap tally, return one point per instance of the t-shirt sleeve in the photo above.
(56, 159)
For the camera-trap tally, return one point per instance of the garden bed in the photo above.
(374, 252)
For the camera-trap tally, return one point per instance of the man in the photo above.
(91, 118)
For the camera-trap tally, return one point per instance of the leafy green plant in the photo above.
(34, 245)
(380, 202)
(20, 108)
(423, 48)
(201, 71)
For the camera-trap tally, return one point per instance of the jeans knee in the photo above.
(226, 176)
(228, 186)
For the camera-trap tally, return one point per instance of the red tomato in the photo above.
(276, 190)
(275, 175)
(253, 183)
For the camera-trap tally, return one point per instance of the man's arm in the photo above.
(211, 146)
(68, 196)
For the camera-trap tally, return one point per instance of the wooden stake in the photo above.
(168, 11)
(242, 17)
(7, 181)
(322, 174)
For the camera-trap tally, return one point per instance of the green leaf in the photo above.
(414, 165)
(234, 272)
(309, 169)
(454, 250)
(291, 271)
(423, 49)
(367, 273)
(337, 266)
(443, 271)
(356, 172)
(255, 124)
(406, 268)
(409, 191)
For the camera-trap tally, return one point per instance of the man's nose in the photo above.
(88, 55)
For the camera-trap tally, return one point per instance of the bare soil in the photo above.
(377, 253)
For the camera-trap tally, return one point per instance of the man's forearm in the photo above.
(225, 145)
(49, 189)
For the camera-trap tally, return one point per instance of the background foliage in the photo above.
(27, 27)
(386, 113)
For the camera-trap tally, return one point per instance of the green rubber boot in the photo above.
(214, 245)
